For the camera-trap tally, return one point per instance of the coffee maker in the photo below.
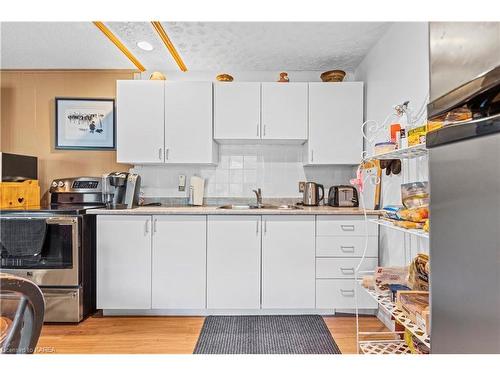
(121, 190)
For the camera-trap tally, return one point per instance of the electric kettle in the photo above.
(311, 194)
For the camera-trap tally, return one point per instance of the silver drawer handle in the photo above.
(347, 292)
(160, 153)
(347, 270)
(347, 228)
(347, 249)
(59, 296)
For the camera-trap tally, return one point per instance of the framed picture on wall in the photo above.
(85, 124)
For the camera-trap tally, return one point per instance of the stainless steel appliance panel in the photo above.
(461, 51)
(55, 276)
(63, 305)
(465, 245)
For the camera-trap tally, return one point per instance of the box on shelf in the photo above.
(414, 303)
(19, 194)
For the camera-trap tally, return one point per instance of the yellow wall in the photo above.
(27, 119)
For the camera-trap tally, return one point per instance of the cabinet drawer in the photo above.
(342, 268)
(339, 294)
(340, 226)
(346, 246)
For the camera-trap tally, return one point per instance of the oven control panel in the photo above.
(76, 185)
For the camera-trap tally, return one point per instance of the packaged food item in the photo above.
(414, 344)
(423, 321)
(458, 115)
(412, 303)
(394, 288)
(368, 282)
(426, 226)
(408, 224)
(418, 273)
(386, 276)
(417, 135)
(434, 125)
(418, 215)
(415, 194)
(383, 147)
(391, 211)
(395, 128)
(403, 141)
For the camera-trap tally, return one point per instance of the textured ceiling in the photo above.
(274, 45)
(204, 46)
(57, 45)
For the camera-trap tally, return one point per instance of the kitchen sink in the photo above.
(255, 207)
(238, 207)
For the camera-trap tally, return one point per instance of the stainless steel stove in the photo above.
(54, 246)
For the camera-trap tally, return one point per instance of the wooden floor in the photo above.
(167, 335)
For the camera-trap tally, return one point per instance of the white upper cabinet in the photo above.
(140, 122)
(237, 110)
(288, 262)
(284, 111)
(165, 122)
(335, 119)
(188, 123)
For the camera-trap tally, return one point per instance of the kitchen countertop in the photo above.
(213, 210)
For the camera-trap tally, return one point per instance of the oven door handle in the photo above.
(61, 220)
(56, 295)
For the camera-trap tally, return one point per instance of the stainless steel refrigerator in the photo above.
(464, 174)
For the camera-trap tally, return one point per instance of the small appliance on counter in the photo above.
(120, 190)
(343, 196)
(311, 195)
(196, 188)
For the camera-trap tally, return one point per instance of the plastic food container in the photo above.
(383, 147)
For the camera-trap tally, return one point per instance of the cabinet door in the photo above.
(179, 262)
(139, 121)
(233, 262)
(335, 119)
(123, 262)
(237, 110)
(288, 262)
(284, 111)
(188, 123)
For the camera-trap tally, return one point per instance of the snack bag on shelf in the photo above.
(408, 224)
(391, 211)
(385, 276)
(418, 273)
(426, 226)
(415, 345)
(417, 215)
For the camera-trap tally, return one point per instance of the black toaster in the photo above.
(343, 196)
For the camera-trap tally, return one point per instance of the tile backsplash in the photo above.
(276, 169)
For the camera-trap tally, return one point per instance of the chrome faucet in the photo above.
(258, 194)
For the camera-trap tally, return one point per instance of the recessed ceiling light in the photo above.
(145, 46)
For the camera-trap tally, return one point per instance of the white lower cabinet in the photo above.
(288, 270)
(123, 262)
(230, 262)
(339, 294)
(179, 259)
(233, 262)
